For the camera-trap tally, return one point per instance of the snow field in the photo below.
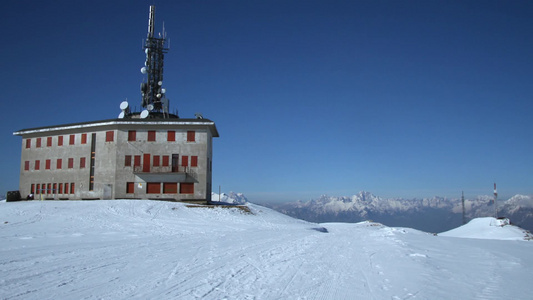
(145, 249)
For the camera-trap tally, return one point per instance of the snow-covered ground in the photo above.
(144, 249)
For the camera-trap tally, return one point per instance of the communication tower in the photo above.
(495, 202)
(463, 202)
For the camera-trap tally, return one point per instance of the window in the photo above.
(37, 188)
(28, 143)
(49, 141)
(82, 162)
(194, 161)
(184, 160)
(132, 136)
(60, 190)
(37, 165)
(165, 160)
(38, 143)
(72, 139)
(49, 189)
(109, 136)
(66, 188)
(187, 188)
(151, 136)
(59, 163)
(60, 140)
(171, 136)
(72, 187)
(191, 137)
(54, 188)
(153, 187)
(47, 164)
(27, 165)
(32, 190)
(137, 161)
(156, 160)
(71, 163)
(130, 187)
(170, 188)
(127, 161)
(84, 138)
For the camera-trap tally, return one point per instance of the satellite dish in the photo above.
(124, 105)
(144, 114)
(150, 107)
(163, 91)
(160, 83)
(121, 115)
(143, 70)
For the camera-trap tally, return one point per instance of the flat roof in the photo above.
(111, 122)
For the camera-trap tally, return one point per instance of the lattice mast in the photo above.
(152, 91)
(495, 201)
(463, 203)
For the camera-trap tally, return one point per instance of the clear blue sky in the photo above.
(398, 98)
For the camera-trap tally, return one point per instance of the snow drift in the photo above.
(122, 249)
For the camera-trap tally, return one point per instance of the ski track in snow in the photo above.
(158, 250)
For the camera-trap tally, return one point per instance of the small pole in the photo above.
(463, 202)
(495, 202)
(218, 193)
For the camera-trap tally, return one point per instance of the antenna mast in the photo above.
(153, 94)
(495, 202)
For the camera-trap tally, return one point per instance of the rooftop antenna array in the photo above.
(152, 91)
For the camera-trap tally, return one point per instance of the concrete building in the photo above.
(119, 159)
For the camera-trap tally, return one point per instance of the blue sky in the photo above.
(398, 98)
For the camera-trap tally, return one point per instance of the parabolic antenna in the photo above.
(143, 70)
(150, 107)
(144, 114)
(124, 105)
(121, 115)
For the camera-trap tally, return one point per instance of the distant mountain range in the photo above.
(435, 214)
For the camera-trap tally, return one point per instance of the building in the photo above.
(119, 158)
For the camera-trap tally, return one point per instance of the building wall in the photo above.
(113, 177)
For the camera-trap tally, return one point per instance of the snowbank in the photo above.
(489, 228)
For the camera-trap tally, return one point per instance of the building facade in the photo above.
(119, 159)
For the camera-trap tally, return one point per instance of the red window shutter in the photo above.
(66, 187)
(71, 163)
(184, 160)
(151, 136)
(72, 139)
(60, 140)
(165, 160)
(37, 165)
(60, 190)
(49, 188)
(171, 136)
(127, 161)
(191, 136)
(130, 187)
(27, 165)
(72, 187)
(38, 143)
(194, 161)
(49, 141)
(84, 138)
(156, 160)
(82, 162)
(59, 163)
(137, 160)
(170, 188)
(153, 187)
(132, 135)
(32, 190)
(109, 136)
(187, 188)
(54, 188)
(47, 164)
(37, 188)
(28, 143)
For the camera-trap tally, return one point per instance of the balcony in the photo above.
(165, 174)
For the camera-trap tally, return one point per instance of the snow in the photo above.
(122, 249)
(489, 228)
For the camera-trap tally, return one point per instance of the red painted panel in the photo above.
(146, 162)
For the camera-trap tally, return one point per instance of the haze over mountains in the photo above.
(435, 214)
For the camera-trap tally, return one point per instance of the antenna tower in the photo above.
(495, 202)
(152, 91)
